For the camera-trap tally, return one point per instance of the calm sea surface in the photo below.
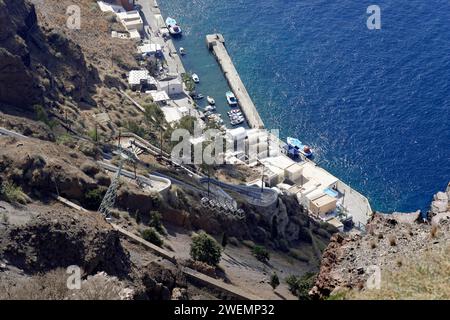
(375, 105)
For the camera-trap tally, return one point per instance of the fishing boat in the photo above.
(211, 100)
(196, 78)
(198, 96)
(296, 147)
(172, 25)
(182, 51)
(235, 111)
(237, 122)
(238, 118)
(231, 98)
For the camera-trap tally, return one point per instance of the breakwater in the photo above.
(216, 44)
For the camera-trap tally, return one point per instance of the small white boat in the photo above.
(211, 100)
(171, 22)
(210, 108)
(198, 96)
(195, 78)
(231, 98)
(182, 52)
(174, 28)
(237, 122)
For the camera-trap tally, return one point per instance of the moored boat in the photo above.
(237, 121)
(231, 99)
(198, 96)
(211, 100)
(172, 25)
(196, 78)
(296, 147)
(210, 108)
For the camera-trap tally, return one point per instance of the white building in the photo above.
(172, 87)
(139, 78)
(158, 96)
(131, 20)
(150, 50)
(108, 7)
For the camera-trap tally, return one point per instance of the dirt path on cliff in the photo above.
(242, 268)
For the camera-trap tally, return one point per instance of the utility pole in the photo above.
(161, 141)
(262, 178)
(65, 119)
(209, 177)
(262, 174)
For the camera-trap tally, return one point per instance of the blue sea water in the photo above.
(374, 104)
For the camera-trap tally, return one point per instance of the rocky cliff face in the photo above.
(58, 237)
(43, 168)
(391, 241)
(17, 21)
(38, 63)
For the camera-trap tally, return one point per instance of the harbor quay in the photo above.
(216, 44)
(324, 196)
(314, 184)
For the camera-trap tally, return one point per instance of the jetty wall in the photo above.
(216, 44)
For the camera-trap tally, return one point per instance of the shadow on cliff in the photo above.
(39, 67)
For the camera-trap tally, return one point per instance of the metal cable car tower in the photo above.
(109, 200)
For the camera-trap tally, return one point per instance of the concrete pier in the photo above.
(216, 43)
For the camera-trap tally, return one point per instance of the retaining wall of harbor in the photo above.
(216, 43)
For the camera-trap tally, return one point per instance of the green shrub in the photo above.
(154, 113)
(187, 123)
(274, 281)
(12, 193)
(205, 248)
(156, 200)
(292, 282)
(155, 222)
(300, 286)
(42, 116)
(93, 198)
(189, 83)
(65, 139)
(261, 253)
(137, 217)
(152, 236)
(93, 134)
(135, 128)
(305, 284)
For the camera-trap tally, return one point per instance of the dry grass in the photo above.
(94, 37)
(434, 231)
(12, 193)
(53, 286)
(426, 277)
(392, 240)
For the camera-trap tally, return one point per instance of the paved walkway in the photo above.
(154, 20)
